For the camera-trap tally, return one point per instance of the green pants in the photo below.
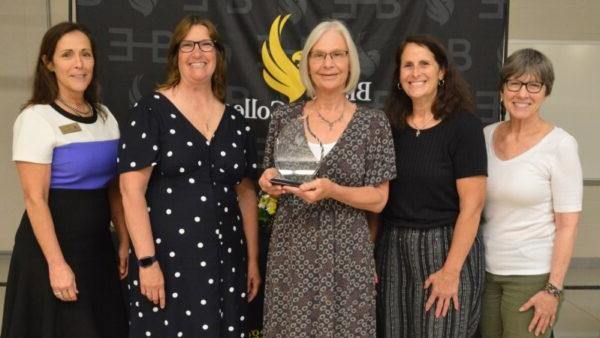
(502, 298)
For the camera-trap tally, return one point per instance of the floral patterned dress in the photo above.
(321, 269)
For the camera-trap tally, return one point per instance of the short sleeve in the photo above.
(469, 157)
(380, 155)
(139, 146)
(273, 132)
(250, 153)
(33, 138)
(566, 178)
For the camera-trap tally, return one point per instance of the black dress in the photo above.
(82, 163)
(195, 219)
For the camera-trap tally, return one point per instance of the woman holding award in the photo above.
(321, 270)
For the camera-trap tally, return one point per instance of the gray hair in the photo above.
(312, 39)
(528, 61)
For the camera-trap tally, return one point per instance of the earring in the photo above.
(398, 86)
(441, 82)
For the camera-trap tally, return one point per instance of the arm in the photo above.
(546, 305)
(118, 220)
(133, 189)
(35, 182)
(564, 241)
(444, 282)
(567, 193)
(369, 198)
(248, 207)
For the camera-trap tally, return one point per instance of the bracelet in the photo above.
(553, 290)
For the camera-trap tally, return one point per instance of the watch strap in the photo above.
(147, 261)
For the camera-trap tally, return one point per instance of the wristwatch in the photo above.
(147, 261)
(553, 290)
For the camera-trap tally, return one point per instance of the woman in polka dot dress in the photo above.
(188, 163)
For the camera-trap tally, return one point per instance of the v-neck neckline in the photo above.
(189, 123)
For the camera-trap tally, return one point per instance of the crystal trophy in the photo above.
(293, 157)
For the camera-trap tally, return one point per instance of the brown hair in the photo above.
(218, 80)
(453, 93)
(45, 87)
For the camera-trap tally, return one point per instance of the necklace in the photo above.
(77, 109)
(207, 123)
(418, 132)
(330, 124)
(316, 138)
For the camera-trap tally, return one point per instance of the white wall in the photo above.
(22, 25)
(568, 32)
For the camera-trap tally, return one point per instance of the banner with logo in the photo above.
(263, 40)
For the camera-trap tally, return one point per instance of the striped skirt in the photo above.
(405, 259)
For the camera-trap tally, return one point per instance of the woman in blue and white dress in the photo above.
(63, 280)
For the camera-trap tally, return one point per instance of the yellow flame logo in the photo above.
(281, 72)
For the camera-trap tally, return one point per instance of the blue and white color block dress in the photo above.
(82, 153)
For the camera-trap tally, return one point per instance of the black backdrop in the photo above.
(261, 39)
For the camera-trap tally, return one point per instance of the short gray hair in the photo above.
(312, 39)
(528, 61)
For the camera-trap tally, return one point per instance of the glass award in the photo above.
(293, 157)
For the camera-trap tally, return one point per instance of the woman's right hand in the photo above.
(265, 183)
(152, 284)
(62, 282)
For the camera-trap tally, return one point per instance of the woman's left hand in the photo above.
(544, 306)
(312, 191)
(123, 253)
(444, 289)
(253, 279)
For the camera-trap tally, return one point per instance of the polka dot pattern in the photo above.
(195, 219)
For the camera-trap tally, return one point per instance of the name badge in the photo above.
(70, 128)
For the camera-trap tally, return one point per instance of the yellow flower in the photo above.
(272, 206)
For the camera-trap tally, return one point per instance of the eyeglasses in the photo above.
(188, 46)
(516, 85)
(320, 56)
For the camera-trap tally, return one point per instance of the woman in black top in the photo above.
(429, 257)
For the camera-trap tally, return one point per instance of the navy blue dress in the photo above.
(195, 219)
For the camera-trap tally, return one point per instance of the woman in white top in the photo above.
(532, 206)
(63, 280)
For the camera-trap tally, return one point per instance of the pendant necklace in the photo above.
(330, 124)
(418, 129)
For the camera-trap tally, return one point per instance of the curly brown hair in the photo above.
(453, 93)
